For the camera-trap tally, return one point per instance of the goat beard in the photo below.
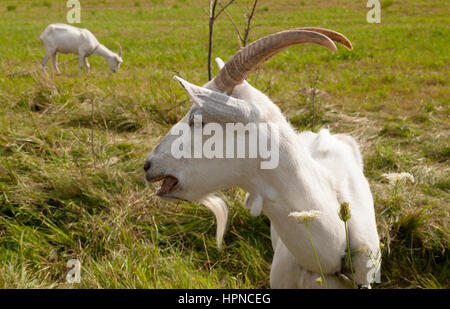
(220, 210)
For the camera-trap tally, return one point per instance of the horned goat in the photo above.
(315, 172)
(66, 39)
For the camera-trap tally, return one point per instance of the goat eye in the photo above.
(192, 122)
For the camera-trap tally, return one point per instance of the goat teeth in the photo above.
(169, 184)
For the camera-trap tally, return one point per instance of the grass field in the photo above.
(72, 148)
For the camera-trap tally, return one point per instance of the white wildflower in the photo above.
(393, 178)
(304, 216)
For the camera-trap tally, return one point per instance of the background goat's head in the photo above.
(226, 99)
(115, 60)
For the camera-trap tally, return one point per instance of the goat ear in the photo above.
(219, 105)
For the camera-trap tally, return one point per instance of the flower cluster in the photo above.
(394, 178)
(305, 216)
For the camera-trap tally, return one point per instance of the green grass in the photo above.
(58, 201)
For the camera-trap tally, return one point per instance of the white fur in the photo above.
(254, 204)
(62, 38)
(341, 156)
(315, 172)
(220, 210)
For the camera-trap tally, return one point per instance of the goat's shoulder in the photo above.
(324, 145)
(352, 144)
(86, 34)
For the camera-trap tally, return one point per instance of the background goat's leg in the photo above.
(55, 63)
(45, 59)
(86, 65)
(80, 64)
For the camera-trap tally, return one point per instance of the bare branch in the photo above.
(223, 8)
(212, 17)
(212, 8)
(206, 12)
(175, 106)
(234, 25)
(247, 26)
(314, 102)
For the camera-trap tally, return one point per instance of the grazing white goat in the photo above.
(315, 172)
(66, 39)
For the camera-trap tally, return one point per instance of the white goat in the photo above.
(62, 38)
(315, 171)
(340, 156)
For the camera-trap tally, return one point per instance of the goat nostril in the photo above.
(147, 165)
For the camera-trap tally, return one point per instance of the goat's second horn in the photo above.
(335, 36)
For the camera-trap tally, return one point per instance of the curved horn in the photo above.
(120, 49)
(335, 36)
(250, 57)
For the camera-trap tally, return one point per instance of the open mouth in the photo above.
(169, 183)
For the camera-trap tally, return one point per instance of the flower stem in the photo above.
(317, 258)
(349, 255)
